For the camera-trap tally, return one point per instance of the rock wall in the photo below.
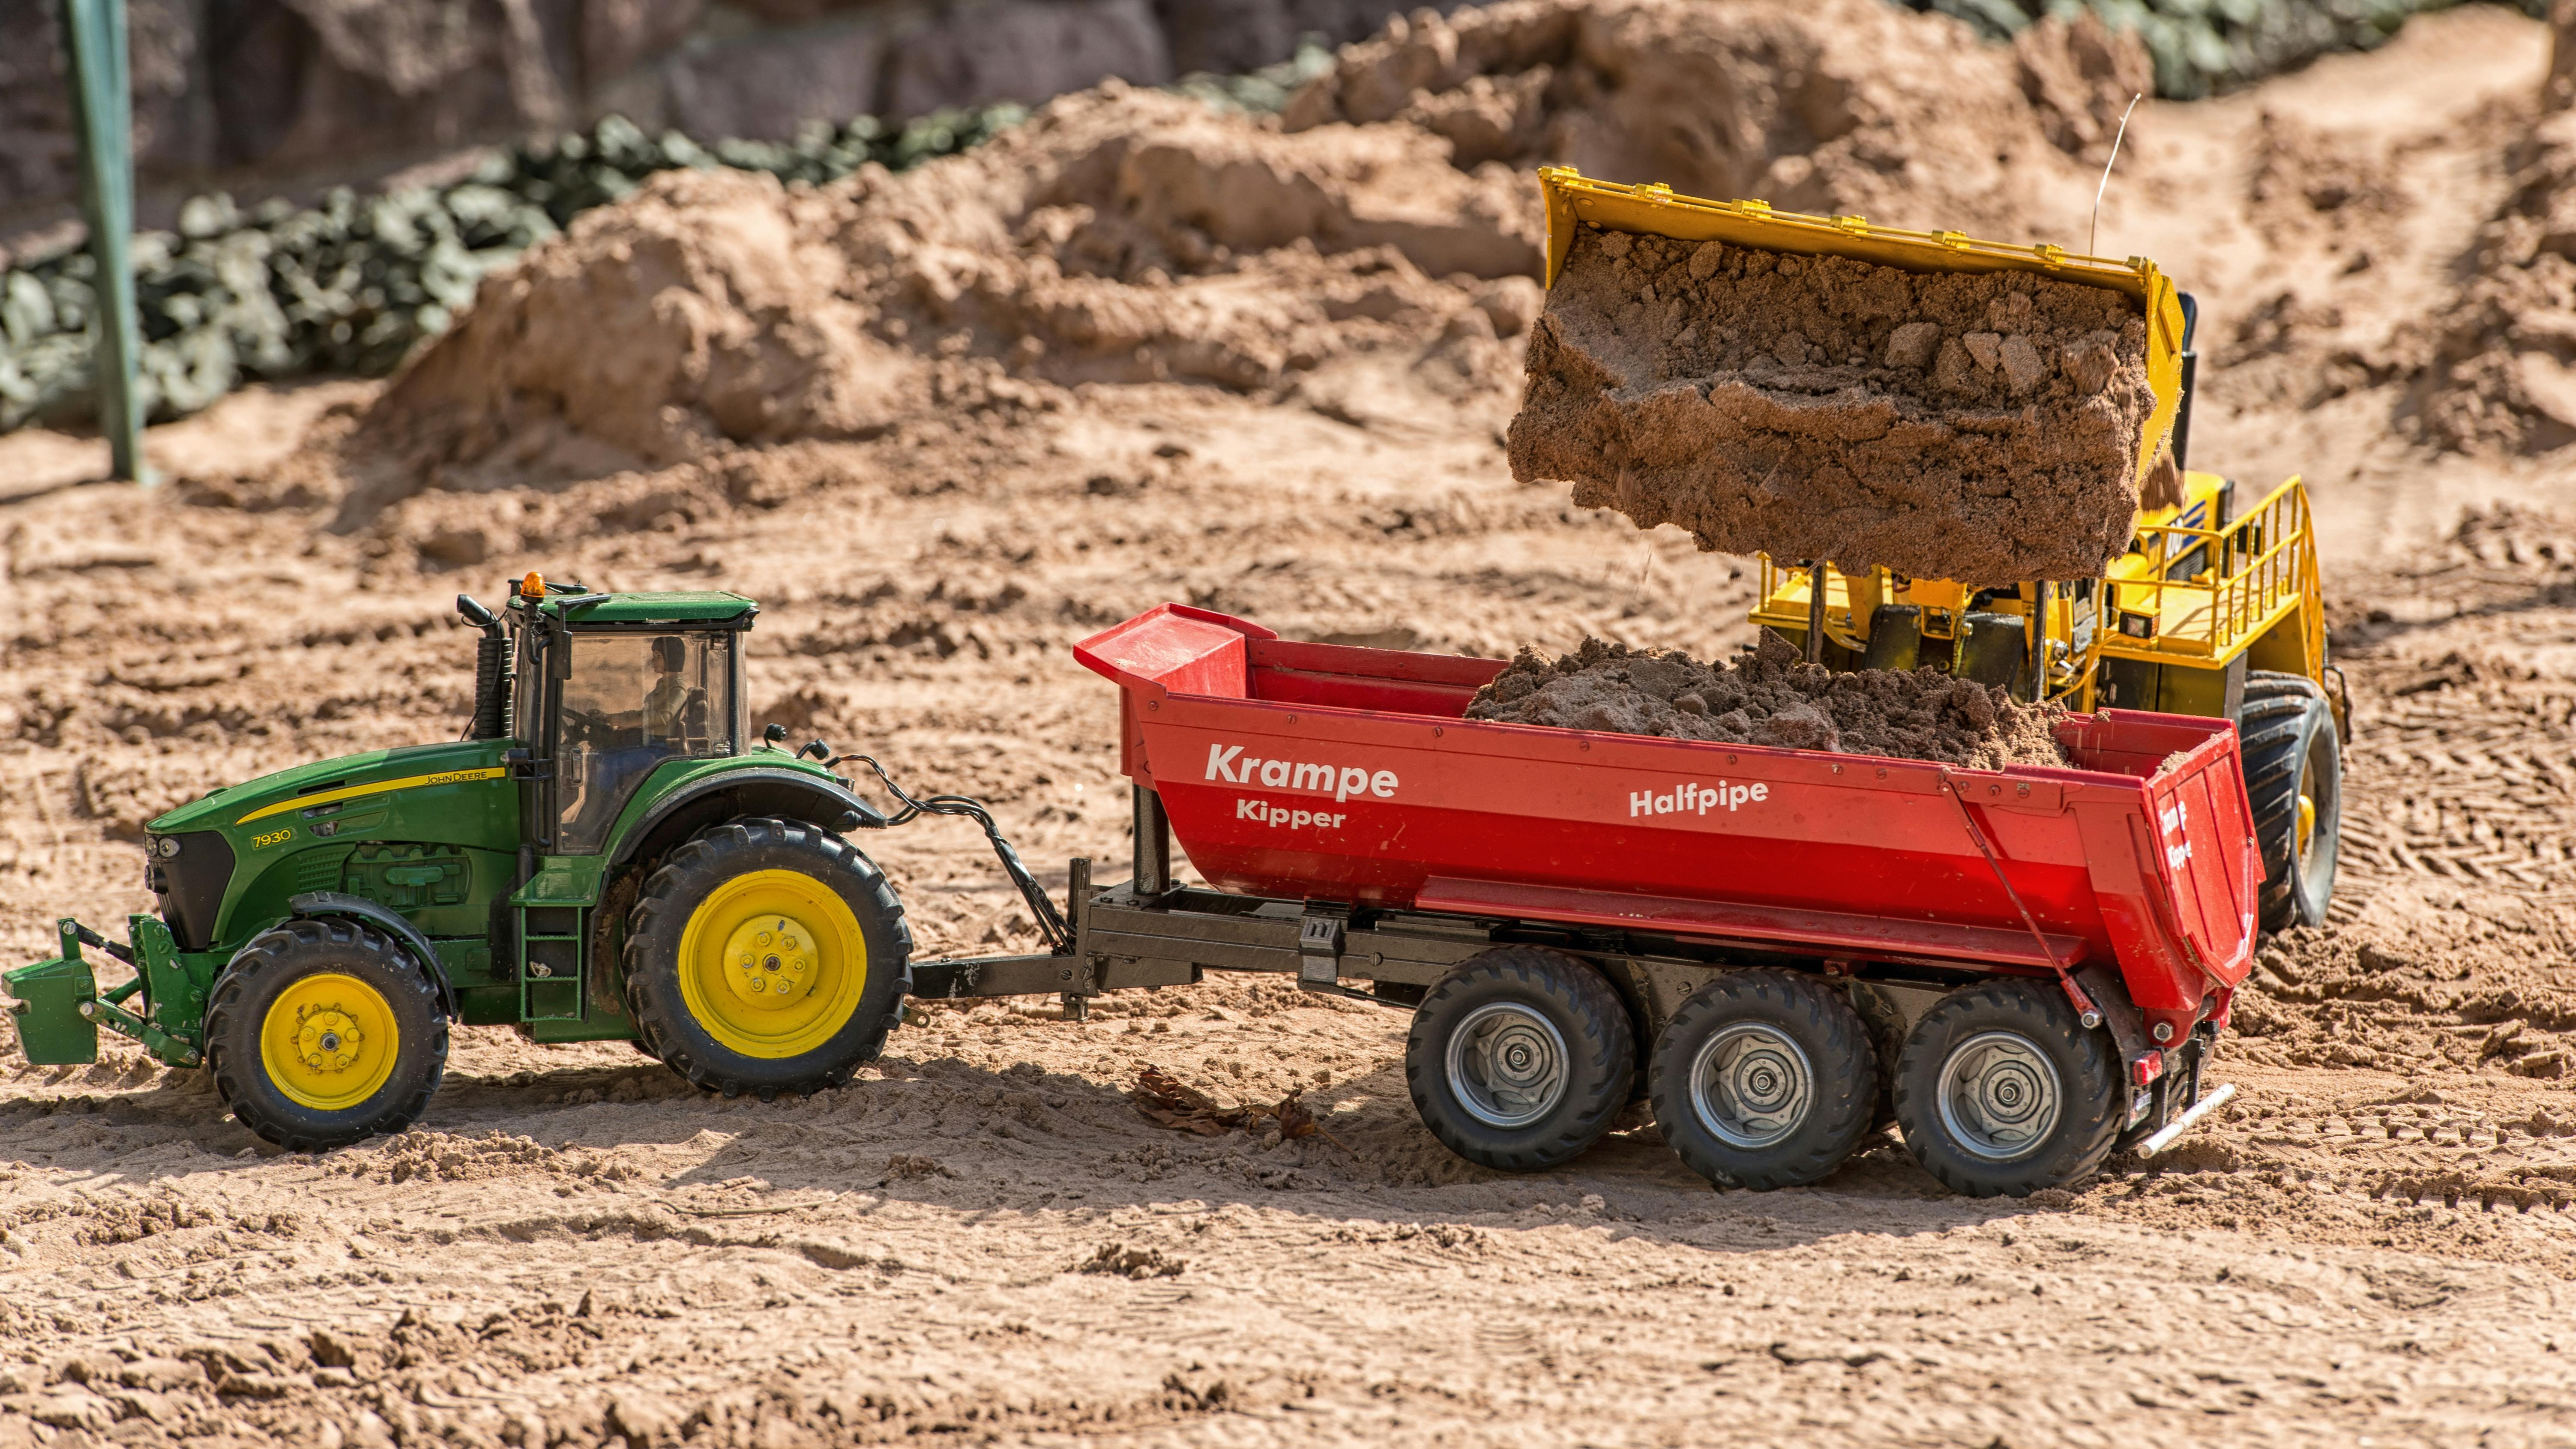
(341, 87)
(348, 86)
(2203, 49)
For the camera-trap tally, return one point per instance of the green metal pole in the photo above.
(103, 123)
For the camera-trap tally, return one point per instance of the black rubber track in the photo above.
(285, 954)
(684, 878)
(1599, 1040)
(1830, 1034)
(2280, 717)
(2088, 1077)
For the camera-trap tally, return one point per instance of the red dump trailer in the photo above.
(1780, 949)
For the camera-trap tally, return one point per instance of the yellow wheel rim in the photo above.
(329, 1041)
(2307, 824)
(772, 964)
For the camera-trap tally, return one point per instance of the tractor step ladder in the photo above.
(550, 960)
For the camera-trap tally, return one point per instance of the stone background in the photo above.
(295, 93)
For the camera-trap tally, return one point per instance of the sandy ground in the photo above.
(2375, 1244)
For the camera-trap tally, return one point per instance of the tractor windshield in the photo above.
(633, 701)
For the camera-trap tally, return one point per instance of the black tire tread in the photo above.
(1851, 1070)
(655, 1006)
(2279, 713)
(1614, 1049)
(2094, 1053)
(227, 1022)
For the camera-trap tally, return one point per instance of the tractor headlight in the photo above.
(2137, 626)
(166, 847)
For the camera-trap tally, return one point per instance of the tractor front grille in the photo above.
(189, 886)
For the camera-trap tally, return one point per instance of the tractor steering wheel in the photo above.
(591, 725)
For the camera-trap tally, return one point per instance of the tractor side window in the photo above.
(634, 701)
(528, 690)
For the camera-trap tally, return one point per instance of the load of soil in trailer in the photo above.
(1982, 427)
(1770, 698)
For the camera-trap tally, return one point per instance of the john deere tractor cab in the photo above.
(603, 856)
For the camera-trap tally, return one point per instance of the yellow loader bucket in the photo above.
(1656, 210)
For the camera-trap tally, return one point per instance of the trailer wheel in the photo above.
(1764, 1079)
(2001, 1091)
(766, 956)
(2294, 780)
(324, 1032)
(1520, 1058)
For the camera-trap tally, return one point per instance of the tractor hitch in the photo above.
(59, 1007)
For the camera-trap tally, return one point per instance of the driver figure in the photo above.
(668, 699)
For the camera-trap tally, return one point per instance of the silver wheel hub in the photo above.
(1752, 1086)
(2000, 1097)
(1507, 1065)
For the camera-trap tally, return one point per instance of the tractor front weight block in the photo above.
(53, 1030)
(58, 1007)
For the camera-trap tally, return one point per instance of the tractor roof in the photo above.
(661, 609)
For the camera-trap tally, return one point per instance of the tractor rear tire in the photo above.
(766, 956)
(2001, 1091)
(2294, 780)
(1764, 1079)
(325, 1032)
(1520, 1058)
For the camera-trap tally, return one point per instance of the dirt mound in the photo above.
(1841, 106)
(1117, 237)
(1981, 428)
(1369, 255)
(1771, 698)
(2503, 373)
(2423, 978)
(689, 314)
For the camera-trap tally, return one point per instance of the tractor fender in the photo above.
(755, 790)
(313, 904)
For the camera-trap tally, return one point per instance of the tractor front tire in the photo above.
(2294, 781)
(325, 1032)
(766, 956)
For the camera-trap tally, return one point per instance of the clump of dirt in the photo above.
(1773, 698)
(1984, 428)
(1803, 105)
(2081, 76)
(2303, 173)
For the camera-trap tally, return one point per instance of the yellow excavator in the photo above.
(2214, 609)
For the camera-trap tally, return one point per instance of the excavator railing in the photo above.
(2207, 593)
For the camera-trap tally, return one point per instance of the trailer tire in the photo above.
(1520, 1058)
(2293, 760)
(325, 1032)
(1764, 1079)
(2000, 1091)
(700, 973)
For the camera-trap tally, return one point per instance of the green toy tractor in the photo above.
(602, 857)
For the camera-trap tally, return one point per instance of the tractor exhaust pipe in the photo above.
(491, 672)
